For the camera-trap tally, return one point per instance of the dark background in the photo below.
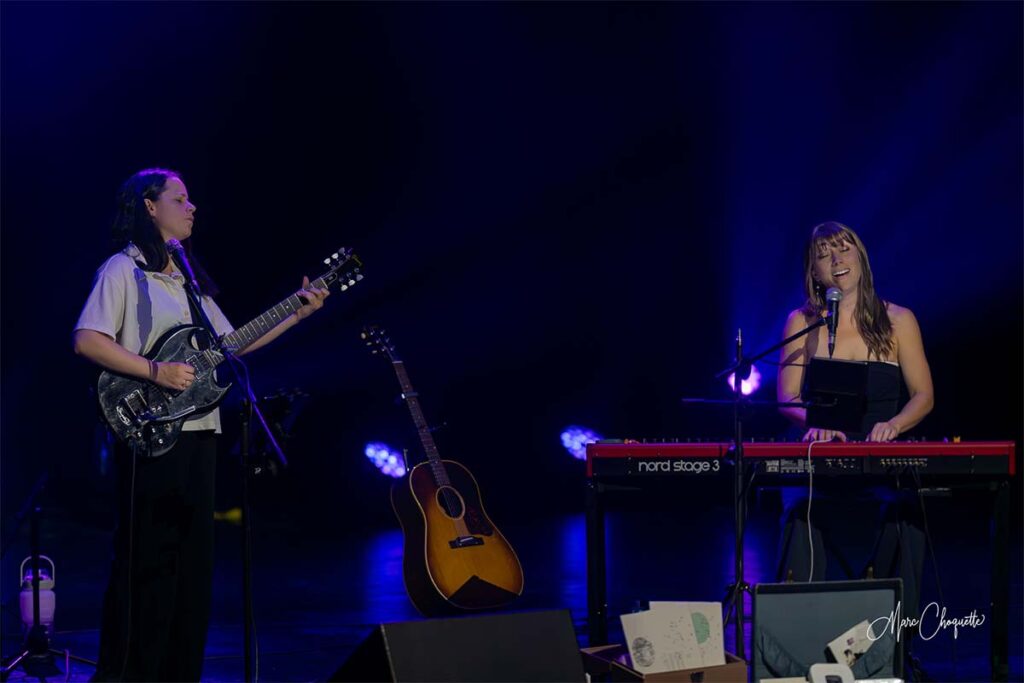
(565, 211)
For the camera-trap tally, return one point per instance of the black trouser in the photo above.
(157, 605)
(899, 548)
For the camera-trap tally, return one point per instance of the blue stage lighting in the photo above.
(575, 440)
(750, 384)
(387, 460)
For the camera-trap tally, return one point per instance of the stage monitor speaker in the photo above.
(794, 623)
(523, 646)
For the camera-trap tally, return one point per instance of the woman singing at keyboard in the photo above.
(879, 332)
(888, 338)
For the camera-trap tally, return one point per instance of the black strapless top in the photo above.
(885, 383)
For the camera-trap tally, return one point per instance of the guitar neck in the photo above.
(245, 336)
(422, 428)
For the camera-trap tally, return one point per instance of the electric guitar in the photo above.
(455, 558)
(148, 417)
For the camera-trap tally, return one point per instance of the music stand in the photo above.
(740, 371)
(837, 393)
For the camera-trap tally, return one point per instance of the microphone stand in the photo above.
(734, 602)
(249, 408)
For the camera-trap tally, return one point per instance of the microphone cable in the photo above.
(810, 497)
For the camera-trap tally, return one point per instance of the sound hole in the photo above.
(450, 501)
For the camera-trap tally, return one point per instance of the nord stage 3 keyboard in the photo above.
(967, 458)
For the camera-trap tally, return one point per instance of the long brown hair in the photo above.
(870, 315)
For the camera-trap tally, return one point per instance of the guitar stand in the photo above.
(36, 658)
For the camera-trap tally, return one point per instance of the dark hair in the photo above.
(870, 315)
(133, 224)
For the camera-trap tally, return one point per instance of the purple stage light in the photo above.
(575, 440)
(387, 460)
(750, 384)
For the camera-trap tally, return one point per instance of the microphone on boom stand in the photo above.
(833, 296)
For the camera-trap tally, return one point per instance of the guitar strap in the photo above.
(192, 312)
(197, 318)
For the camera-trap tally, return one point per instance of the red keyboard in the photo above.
(983, 458)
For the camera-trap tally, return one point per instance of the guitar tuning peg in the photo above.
(359, 276)
(327, 261)
(344, 287)
(334, 255)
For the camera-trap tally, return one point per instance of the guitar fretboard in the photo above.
(245, 336)
(422, 428)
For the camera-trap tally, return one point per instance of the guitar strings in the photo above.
(440, 477)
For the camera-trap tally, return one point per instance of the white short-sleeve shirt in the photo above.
(135, 307)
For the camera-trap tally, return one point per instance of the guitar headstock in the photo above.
(343, 267)
(379, 342)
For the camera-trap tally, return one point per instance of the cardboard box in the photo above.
(612, 660)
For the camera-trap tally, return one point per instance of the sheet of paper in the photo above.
(848, 647)
(706, 625)
(660, 642)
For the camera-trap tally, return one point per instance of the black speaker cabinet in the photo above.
(523, 646)
(795, 622)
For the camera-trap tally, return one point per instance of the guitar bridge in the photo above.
(132, 409)
(465, 542)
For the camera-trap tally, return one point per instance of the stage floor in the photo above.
(320, 587)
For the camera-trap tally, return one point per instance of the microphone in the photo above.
(178, 254)
(833, 296)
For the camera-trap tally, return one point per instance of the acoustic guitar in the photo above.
(455, 558)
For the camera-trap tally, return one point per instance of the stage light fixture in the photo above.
(387, 460)
(750, 384)
(576, 438)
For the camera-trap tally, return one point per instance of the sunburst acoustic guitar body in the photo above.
(455, 558)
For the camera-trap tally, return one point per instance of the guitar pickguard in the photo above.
(147, 417)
